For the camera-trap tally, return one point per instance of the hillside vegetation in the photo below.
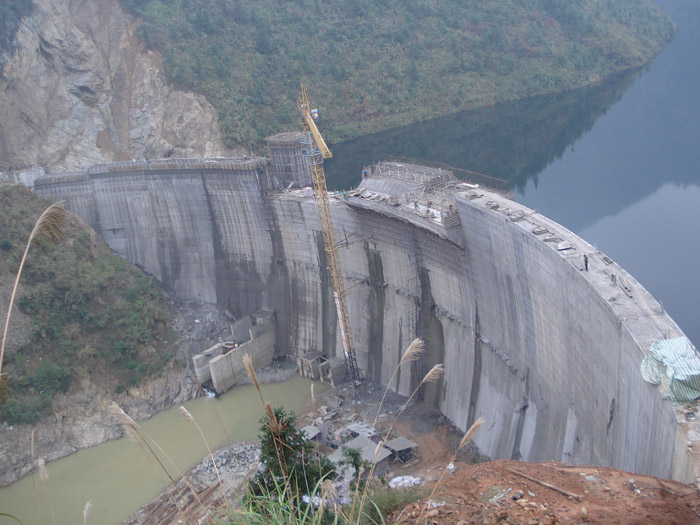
(90, 312)
(375, 64)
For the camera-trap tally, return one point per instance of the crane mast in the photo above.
(315, 148)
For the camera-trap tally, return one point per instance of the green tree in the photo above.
(352, 457)
(289, 461)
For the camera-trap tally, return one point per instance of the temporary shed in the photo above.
(402, 448)
(372, 452)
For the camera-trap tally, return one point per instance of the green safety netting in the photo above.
(673, 364)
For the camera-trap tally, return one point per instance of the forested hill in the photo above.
(375, 64)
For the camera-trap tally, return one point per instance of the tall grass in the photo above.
(145, 442)
(87, 511)
(189, 417)
(44, 477)
(281, 503)
(48, 228)
(468, 436)
(370, 504)
(412, 353)
(432, 376)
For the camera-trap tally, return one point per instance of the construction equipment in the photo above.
(315, 148)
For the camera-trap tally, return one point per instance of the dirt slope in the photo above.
(484, 493)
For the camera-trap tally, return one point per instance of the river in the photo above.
(118, 478)
(617, 163)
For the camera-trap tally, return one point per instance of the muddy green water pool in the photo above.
(118, 477)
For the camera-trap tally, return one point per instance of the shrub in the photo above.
(383, 501)
(30, 393)
(289, 460)
(50, 378)
(26, 409)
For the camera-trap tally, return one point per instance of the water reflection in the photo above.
(631, 186)
(511, 141)
(658, 238)
(590, 159)
(648, 139)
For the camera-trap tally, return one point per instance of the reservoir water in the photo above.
(617, 163)
(118, 477)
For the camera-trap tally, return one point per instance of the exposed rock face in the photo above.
(81, 416)
(81, 89)
(81, 419)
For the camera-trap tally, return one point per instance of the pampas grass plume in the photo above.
(413, 352)
(186, 414)
(44, 476)
(469, 435)
(43, 473)
(129, 425)
(272, 422)
(250, 371)
(48, 228)
(87, 511)
(50, 225)
(434, 374)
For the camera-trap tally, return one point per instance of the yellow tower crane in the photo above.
(315, 148)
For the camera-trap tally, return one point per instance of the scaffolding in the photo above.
(430, 187)
(409, 172)
(230, 164)
(288, 163)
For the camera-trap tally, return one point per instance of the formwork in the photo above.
(289, 164)
(430, 187)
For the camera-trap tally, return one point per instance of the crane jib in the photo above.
(317, 150)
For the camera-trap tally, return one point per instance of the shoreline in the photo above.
(236, 462)
(66, 435)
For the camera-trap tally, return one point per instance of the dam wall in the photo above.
(545, 351)
(572, 342)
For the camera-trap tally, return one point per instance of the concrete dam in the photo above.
(546, 350)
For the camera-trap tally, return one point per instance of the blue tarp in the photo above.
(673, 364)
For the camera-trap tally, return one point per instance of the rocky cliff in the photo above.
(81, 419)
(81, 89)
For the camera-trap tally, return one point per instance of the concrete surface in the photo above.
(222, 364)
(546, 352)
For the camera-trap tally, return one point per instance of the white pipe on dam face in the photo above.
(545, 350)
